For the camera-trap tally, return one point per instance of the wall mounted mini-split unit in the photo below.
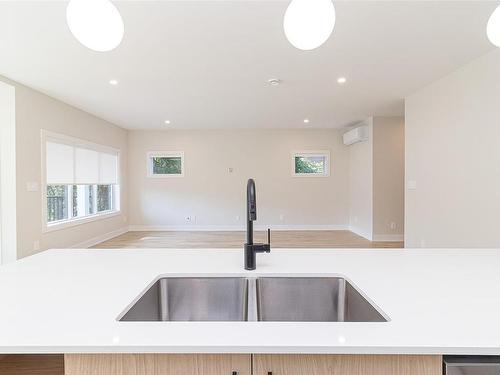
(355, 135)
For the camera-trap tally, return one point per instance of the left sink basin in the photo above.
(192, 299)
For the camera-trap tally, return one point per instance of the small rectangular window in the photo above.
(311, 164)
(166, 164)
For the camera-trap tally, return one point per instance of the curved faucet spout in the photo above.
(251, 201)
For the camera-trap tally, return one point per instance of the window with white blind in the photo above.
(80, 181)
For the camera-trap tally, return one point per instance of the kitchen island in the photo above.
(437, 302)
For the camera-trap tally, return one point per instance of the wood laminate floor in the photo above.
(279, 239)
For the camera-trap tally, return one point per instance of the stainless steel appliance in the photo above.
(471, 365)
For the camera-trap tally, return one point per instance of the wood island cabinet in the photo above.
(246, 364)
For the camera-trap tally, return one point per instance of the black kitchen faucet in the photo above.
(251, 249)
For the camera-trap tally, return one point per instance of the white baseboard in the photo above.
(230, 228)
(103, 237)
(361, 232)
(389, 237)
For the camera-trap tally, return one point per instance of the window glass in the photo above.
(104, 198)
(167, 164)
(310, 164)
(66, 202)
(91, 201)
(57, 202)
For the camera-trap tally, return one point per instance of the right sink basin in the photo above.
(312, 299)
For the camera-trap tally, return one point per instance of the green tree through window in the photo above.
(309, 164)
(167, 165)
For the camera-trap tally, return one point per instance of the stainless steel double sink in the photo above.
(274, 299)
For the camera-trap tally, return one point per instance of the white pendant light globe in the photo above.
(97, 24)
(493, 28)
(309, 23)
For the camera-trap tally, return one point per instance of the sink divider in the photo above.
(252, 303)
(163, 300)
(341, 303)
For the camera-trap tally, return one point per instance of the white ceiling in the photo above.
(205, 64)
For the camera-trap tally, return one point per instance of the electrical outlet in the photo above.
(237, 217)
(282, 217)
(187, 218)
(36, 245)
(393, 225)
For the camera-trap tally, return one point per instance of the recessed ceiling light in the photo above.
(493, 28)
(274, 81)
(167, 122)
(342, 80)
(309, 23)
(97, 24)
(306, 121)
(113, 82)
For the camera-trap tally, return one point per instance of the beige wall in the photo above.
(361, 185)
(388, 178)
(217, 197)
(36, 111)
(376, 181)
(453, 157)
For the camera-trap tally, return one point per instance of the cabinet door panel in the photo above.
(303, 364)
(157, 364)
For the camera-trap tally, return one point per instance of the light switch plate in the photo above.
(411, 185)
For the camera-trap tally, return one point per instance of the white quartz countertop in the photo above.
(438, 301)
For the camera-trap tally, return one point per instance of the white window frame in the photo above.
(307, 153)
(155, 154)
(74, 221)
